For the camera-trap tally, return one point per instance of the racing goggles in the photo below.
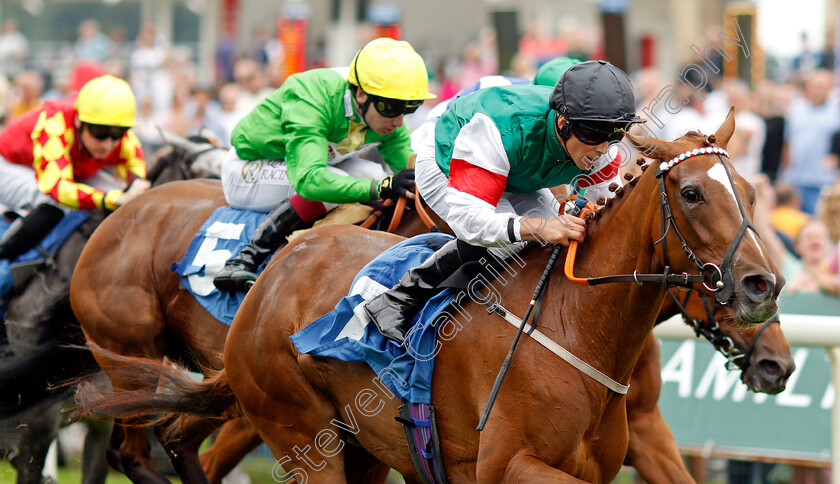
(597, 132)
(102, 132)
(391, 108)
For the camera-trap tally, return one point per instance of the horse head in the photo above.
(706, 210)
(197, 157)
(760, 351)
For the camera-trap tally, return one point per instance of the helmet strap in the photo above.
(363, 107)
(563, 133)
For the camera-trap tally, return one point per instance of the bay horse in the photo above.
(47, 341)
(550, 422)
(305, 407)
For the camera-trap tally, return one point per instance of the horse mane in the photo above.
(604, 204)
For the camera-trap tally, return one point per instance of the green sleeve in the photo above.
(293, 124)
(305, 123)
(396, 149)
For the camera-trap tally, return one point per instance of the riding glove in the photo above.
(395, 185)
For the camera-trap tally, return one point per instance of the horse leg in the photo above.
(183, 449)
(36, 434)
(94, 461)
(291, 417)
(236, 439)
(361, 466)
(652, 450)
(524, 468)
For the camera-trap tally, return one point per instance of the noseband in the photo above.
(710, 329)
(721, 278)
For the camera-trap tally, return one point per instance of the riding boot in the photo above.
(393, 310)
(26, 232)
(240, 272)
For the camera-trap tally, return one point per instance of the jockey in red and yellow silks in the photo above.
(47, 140)
(52, 160)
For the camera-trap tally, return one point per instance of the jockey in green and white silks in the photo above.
(297, 154)
(487, 167)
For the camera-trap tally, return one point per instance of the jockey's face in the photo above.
(582, 154)
(375, 121)
(99, 149)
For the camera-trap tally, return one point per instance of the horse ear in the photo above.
(651, 147)
(724, 132)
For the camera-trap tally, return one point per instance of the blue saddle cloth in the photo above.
(48, 245)
(348, 334)
(221, 237)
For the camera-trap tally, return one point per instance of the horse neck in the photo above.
(607, 325)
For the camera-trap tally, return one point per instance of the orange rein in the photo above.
(396, 218)
(569, 267)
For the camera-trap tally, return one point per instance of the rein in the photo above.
(710, 329)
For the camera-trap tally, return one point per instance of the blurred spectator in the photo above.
(812, 273)
(811, 123)
(829, 210)
(268, 48)
(147, 57)
(226, 52)
(91, 43)
(29, 86)
(787, 217)
(13, 48)
(59, 86)
(146, 125)
(745, 146)
(480, 59)
(228, 115)
(538, 44)
(249, 77)
(807, 60)
(523, 64)
(203, 112)
(5, 89)
(769, 103)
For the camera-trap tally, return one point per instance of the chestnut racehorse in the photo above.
(550, 422)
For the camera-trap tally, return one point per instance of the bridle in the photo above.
(710, 329)
(721, 281)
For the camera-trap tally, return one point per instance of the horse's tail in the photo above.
(40, 373)
(167, 395)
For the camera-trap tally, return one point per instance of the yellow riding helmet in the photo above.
(106, 100)
(392, 69)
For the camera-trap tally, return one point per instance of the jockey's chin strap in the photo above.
(720, 281)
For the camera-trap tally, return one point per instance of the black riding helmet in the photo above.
(596, 93)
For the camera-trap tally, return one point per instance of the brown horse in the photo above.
(129, 302)
(579, 433)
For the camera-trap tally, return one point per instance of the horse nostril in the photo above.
(757, 286)
(770, 368)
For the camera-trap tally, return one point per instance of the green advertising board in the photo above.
(709, 410)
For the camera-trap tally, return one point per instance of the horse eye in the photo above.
(691, 195)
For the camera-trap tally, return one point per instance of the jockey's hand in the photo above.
(138, 186)
(399, 185)
(554, 230)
